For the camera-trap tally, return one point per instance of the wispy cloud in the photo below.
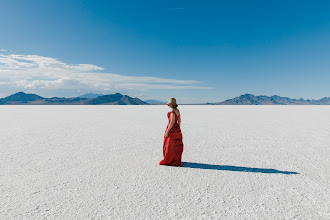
(3, 50)
(19, 72)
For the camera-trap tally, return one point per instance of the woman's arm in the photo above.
(172, 117)
(179, 121)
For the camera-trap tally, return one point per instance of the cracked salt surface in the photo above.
(101, 162)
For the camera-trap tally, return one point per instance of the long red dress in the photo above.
(172, 146)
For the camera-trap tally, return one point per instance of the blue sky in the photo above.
(196, 51)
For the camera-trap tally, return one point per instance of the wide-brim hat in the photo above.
(172, 101)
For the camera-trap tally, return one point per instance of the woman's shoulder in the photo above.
(176, 111)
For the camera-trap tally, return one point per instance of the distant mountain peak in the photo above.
(116, 99)
(21, 96)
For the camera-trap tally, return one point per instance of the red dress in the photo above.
(172, 146)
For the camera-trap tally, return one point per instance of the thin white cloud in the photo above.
(17, 62)
(19, 72)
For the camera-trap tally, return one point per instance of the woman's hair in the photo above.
(174, 106)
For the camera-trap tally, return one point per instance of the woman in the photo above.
(172, 146)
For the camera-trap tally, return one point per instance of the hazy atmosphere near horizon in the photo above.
(196, 51)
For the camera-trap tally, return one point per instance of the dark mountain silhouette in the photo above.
(21, 98)
(249, 99)
(105, 99)
(325, 101)
(116, 99)
(62, 101)
(134, 101)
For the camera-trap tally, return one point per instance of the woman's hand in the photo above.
(166, 134)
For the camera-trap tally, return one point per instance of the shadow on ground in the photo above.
(233, 168)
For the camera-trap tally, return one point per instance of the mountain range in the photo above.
(249, 99)
(22, 98)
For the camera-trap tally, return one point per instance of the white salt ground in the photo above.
(101, 162)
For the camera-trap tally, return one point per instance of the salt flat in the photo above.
(101, 162)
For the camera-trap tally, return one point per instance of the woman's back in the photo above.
(177, 121)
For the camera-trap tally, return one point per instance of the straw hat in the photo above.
(172, 101)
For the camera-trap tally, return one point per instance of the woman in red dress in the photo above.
(172, 146)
